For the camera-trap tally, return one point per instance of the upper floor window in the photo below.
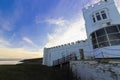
(103, 13)
(93, 17)
(99, 15)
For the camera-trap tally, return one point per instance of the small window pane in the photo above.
(101, 39)
(119, 27)
(104, 16)
(104, 44)
(93, 35)
(111, 29)
(98, 16)
(95, 46)
(93, 18)
(115, 42)
(114, 36)
(94, 41)
(100, 32)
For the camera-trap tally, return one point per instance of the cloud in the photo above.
(73, 31)
(117, 3)
(52, 21)
(28, 40)
(6, 24)
(4, 43)
(18, 53)
(59, 21)
(7, 52)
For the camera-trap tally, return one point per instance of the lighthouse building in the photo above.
(102, 22)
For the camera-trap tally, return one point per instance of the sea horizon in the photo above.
(10, 61)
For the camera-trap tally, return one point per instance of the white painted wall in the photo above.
(107, 52)
(62, 51)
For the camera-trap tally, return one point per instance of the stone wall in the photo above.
(94, 70)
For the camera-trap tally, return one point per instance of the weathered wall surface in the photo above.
(92, 70)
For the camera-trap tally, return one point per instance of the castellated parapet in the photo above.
(67, 45)
(102, 2)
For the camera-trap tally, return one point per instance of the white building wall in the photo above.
(65, 50)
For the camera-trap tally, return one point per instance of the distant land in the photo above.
(10, 59)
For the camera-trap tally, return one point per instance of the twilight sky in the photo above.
(27, 26)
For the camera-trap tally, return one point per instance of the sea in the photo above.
(10, 61)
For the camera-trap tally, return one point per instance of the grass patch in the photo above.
(33, 72)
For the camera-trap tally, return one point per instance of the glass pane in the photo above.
(94, 41)
(93, 18)
(111, 29)
(115, 42)
(98, 16)
(114, 36)
(95, 46)
(104, 44)
(93, 35)
(119, 27)
(101, 39)
(100, 32)
(104, 16)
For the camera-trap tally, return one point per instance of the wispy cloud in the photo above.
(59, 21)
(4, 43)
(6, 24)
(28, 40)
(18, 53)
(52, 21)
(117, 3)
(74, 31)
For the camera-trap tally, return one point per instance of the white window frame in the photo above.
(95, 16)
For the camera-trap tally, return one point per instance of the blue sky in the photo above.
(27, 26)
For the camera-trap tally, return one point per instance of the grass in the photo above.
(33, 72)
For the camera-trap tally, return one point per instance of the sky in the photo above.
(27, 26)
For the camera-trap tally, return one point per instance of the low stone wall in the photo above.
(94, 70)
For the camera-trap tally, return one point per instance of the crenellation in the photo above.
(102, 2)
(68, 44)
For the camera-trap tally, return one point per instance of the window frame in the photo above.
(108, 39)
(103, 14)
(99, 14)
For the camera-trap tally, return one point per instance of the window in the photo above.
(93, 17)
(119, 27)
(100, 32)
(95, 46)
(104, 16)
(98, 16)
(106, 36)
(103, 44)
(93, 35)
(94, 41)
(115, 42)
(101, 39)
(114, 36)
(111, 29)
